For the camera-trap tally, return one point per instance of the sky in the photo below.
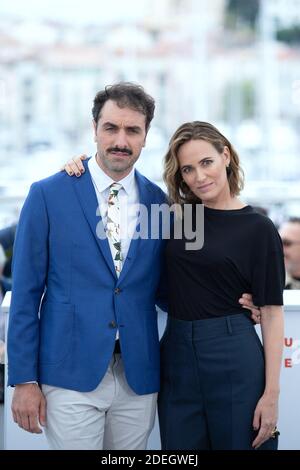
(76, 11)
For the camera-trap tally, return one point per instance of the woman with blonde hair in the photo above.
(219, 385)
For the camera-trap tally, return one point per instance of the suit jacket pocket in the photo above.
(56, 331)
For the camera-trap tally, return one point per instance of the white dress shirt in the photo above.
(128, 200)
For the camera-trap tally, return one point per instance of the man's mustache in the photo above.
(120, 149)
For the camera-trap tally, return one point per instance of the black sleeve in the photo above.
(268, 273)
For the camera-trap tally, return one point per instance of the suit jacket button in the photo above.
(112, 324)
(117, 290)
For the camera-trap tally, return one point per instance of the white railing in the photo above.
(289, 409)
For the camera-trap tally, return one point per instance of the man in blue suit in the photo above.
(83, 332)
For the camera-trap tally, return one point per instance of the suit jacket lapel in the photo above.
(86, 194)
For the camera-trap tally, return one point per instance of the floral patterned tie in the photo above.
(113, 225)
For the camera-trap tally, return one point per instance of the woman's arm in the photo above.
(272, 327)
(266, 412)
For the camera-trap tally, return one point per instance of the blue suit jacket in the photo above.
(66, 337)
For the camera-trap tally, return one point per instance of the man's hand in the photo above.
(75, 166)
(247, 302)
(29, 407)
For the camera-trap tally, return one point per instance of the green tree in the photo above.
(289, 35)
(242, 12)
(239, 102)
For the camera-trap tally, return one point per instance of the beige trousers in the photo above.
(110, 417)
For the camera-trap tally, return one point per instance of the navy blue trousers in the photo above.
(213, 375)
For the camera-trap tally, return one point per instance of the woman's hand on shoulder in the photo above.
(75, 166)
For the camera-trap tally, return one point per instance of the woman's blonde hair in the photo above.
(179, 192)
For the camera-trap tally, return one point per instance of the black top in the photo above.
(242, 252)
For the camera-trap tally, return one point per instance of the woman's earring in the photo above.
(228, 170)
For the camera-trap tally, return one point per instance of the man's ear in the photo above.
(95, 130)
(147, 130)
